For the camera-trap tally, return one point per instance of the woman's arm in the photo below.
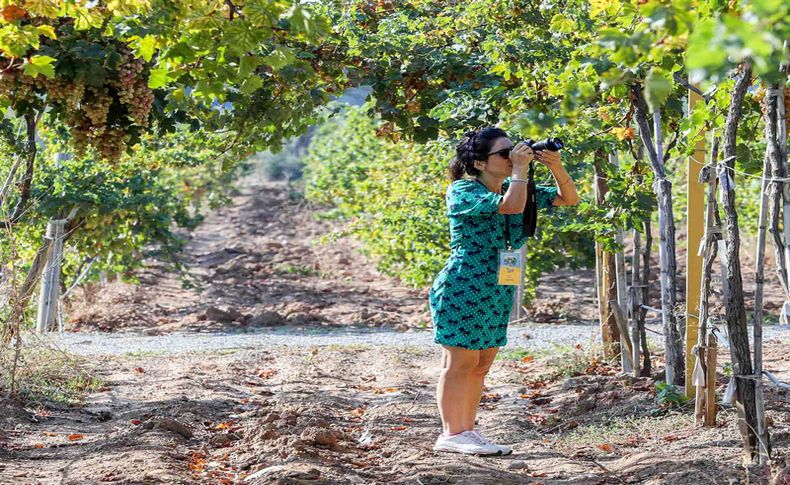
(515, 197)
(566, 189)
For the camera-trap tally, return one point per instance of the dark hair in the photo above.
(475, 145)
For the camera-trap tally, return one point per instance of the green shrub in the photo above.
(392, 196)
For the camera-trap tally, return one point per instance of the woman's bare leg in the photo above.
(453, 387)
(475, 386)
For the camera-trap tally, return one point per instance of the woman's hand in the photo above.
(548, 158)
(521, 155)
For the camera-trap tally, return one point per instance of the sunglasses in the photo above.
(504, 153)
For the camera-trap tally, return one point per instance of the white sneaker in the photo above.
(505, 450)
(467, 443)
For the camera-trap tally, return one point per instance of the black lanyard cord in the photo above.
(531, 209)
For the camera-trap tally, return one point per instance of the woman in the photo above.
(470, 309)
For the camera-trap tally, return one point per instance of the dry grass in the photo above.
(44, 372)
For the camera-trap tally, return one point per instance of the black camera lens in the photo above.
(551, 144)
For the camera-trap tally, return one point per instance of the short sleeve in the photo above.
(470, 198)
(545, 195)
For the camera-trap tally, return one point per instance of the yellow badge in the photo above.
(509, 268)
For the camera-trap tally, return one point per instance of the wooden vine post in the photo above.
(694, 231)
(710, 380)
(758, 313)
(50, 282)
(704, 364)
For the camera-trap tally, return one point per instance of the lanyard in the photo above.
(531, 209)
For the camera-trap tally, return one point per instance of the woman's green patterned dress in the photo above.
(469, 308)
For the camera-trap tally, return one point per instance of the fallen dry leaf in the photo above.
(139, 370)
(39, 445)
(358, 412)
(490, 397)
(197, 462)
(380, 390)
(136, 422)
(537, 419)
(76, 436)
(267, 373)
(606, 447)
(532, 395)
(42, 412)
(226, 424)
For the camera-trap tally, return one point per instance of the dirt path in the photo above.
(364, 414)
(345, 412)
(255, 264)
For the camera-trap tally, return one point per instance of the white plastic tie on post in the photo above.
(720, 336)
(698, 376)
(72, 214)
(784, 317)
(725, 178)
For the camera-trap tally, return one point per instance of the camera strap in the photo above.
(531, 209)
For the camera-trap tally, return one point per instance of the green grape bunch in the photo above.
(105, 102)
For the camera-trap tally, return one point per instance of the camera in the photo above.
(551, 144)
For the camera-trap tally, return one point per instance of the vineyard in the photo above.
(176, 176)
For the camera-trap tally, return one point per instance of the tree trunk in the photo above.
(31, 150)
(21, 298)
(610, 287)
(644, 285)
(635, 300)
(647, 368)
(605, 272)
(733, 296)
(673, 339)
(777, 195)
(627, 353)
(775, 166)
